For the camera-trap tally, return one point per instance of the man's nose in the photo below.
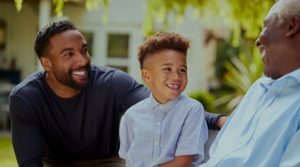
(257, 42)
(83, 59)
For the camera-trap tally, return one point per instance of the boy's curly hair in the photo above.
(162, 41)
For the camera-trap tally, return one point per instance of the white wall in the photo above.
(21, 30)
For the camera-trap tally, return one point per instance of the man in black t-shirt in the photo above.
(68, 115)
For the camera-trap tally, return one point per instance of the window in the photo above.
(118, 51)
(118, 45)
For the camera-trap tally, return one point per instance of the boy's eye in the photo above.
(182, 70)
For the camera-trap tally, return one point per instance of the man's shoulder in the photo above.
(107, 73)
(29, 85)
(97, 70)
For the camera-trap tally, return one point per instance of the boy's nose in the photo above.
(175, 76)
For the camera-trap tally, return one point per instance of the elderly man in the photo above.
(263, 131)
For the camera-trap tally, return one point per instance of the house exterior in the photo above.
(113, 43)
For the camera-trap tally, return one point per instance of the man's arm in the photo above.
(26, 136)
(179, 161)
(215, 121)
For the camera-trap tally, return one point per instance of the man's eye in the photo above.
(166, 69)
(68, 54)
(85, 50)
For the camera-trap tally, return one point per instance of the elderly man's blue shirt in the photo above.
(152, 133)
(263, 131)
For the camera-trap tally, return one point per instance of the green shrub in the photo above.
(205, 98)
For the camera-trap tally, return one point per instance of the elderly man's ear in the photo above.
(294, 27)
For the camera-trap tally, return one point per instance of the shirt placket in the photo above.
(159, 117)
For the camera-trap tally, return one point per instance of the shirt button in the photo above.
(156, 143)
(158, 123)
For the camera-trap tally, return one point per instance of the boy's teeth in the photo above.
(174, 86)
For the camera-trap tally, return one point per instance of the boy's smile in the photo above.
(165, 73)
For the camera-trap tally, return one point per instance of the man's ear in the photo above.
(294, 27)
(46, 63)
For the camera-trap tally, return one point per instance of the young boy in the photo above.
(168, 128)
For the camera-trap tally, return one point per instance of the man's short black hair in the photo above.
(42, 39)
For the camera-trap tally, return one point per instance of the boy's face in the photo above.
(166, 74)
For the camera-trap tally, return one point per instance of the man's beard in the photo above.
(67, 79)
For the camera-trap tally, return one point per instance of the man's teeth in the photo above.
(81, 73)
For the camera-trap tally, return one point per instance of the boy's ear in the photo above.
(145, 75)
(294, 27)
(46, 63)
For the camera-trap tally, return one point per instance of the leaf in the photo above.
(18, 4)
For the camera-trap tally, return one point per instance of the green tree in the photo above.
(239, 15)
(59, 5)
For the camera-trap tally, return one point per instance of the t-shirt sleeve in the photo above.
(26, 135)
(193, 134)
(127, 90)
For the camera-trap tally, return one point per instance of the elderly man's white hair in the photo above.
(285, 9)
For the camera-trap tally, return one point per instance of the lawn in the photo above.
(7, 156)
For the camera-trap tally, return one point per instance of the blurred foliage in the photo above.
(18, 4)
(238, 15)
(58, 6)
(241, 67)
(205, 98)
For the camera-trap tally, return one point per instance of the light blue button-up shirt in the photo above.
(152, 134)
(263, 131)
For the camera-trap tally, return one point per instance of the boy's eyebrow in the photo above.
(170, 64)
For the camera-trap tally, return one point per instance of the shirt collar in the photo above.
(154, 105)
(277, 85)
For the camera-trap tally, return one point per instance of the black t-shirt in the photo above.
(83, 127)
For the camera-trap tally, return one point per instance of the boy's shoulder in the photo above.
(139, 106)
(188, 101)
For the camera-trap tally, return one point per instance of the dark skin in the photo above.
(66, 62)
(279, 46)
